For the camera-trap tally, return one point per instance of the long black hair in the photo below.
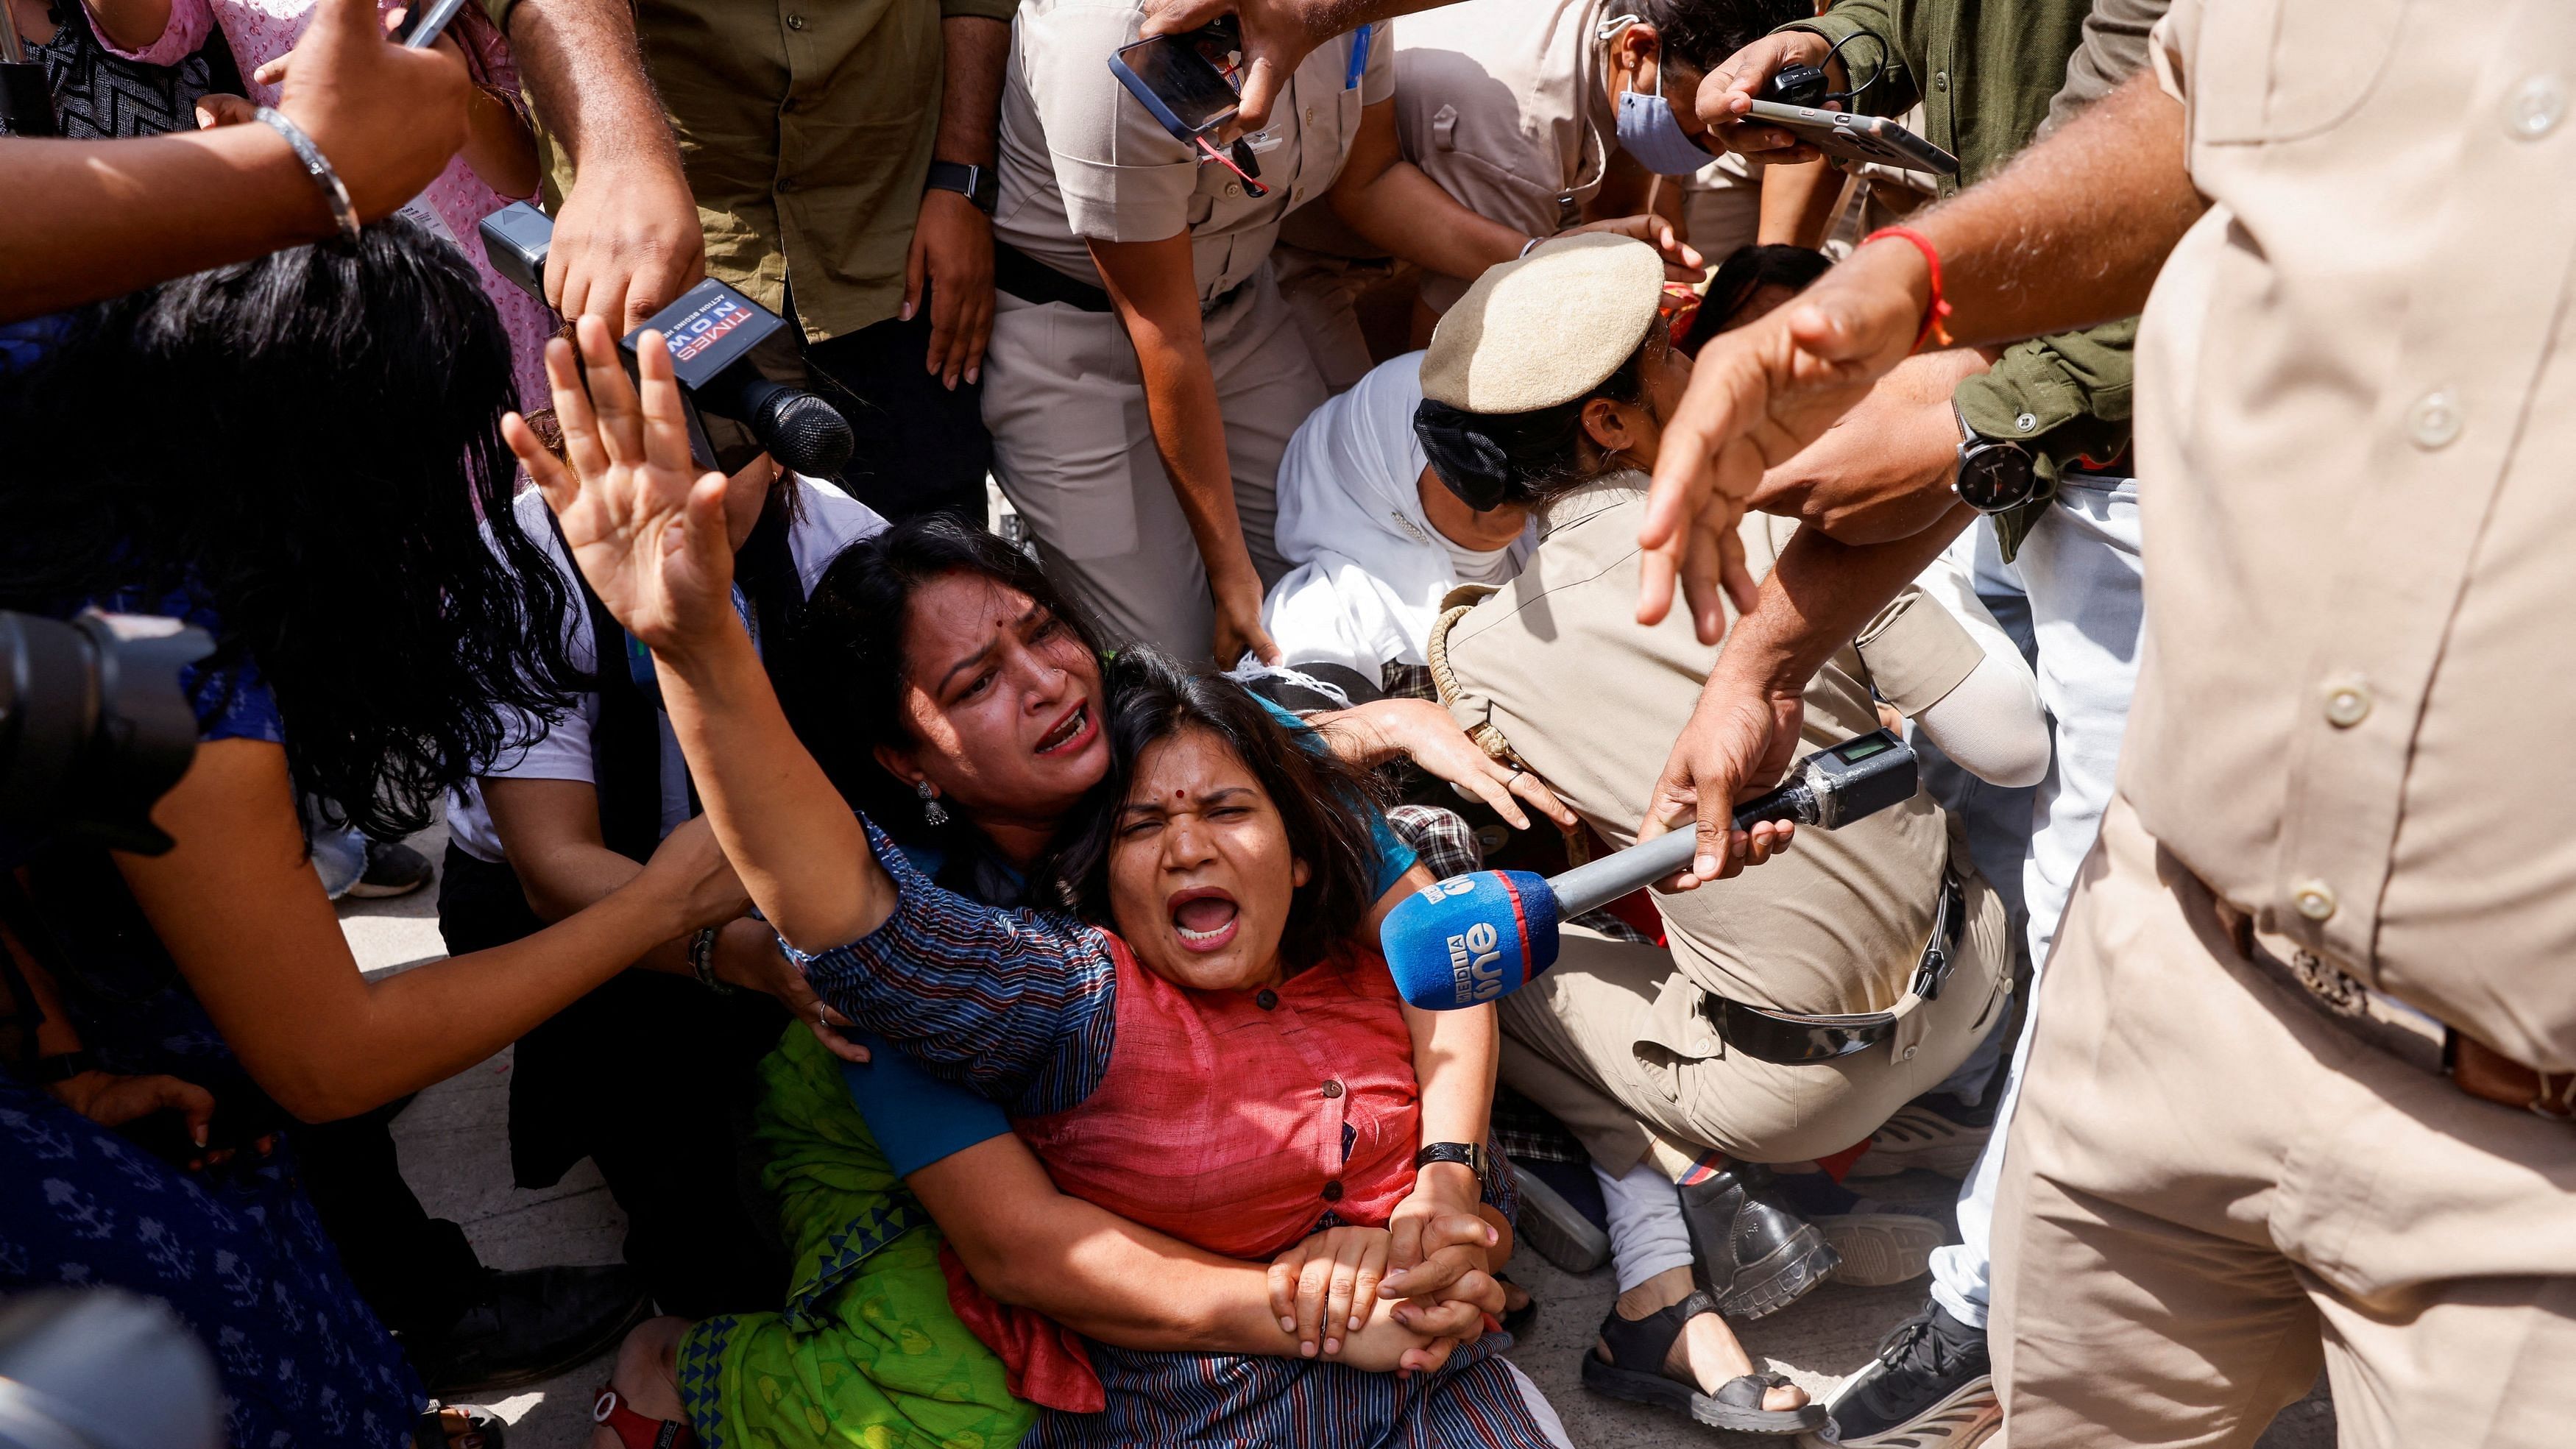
(1322, 802)
(845, 672)
(309, 446)
(1746, 271)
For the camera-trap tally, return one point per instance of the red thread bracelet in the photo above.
(1937, 312)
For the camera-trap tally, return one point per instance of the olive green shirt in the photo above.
(1986, 72)
(805, 128)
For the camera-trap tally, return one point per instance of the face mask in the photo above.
(1649, 132)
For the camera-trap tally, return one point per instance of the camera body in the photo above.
(93, 728)
(711, 331)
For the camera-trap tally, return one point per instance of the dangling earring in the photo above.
(931, 809)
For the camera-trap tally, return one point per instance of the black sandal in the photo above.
(1517, 1321)
(432, 1432)
(1635, 1372)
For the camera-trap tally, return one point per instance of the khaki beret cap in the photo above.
(1545, 329)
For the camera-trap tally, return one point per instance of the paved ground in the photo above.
(455, 1157)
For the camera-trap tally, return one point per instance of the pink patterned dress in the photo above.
(260, 31)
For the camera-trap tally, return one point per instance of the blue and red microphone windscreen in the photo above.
(1470, 938)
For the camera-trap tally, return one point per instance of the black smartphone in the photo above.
(1189, 82)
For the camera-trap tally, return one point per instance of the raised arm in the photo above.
(649, 534)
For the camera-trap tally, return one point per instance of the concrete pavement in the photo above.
(456, 1157)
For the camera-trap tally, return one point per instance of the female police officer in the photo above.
(1144, 374)
(1515, 108)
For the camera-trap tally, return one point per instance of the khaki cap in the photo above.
(1545, 329)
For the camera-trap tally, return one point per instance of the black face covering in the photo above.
(1469, 460)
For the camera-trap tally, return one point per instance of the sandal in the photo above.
(1517, 1321)
(634, 1430)
(483, 1428)
(1635, 1372)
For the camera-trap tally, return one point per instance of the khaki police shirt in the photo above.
(1556, 665)
(1502, 103)
(805, 130)
(1083, 160)
(2359, 425)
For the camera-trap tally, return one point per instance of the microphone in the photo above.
(1472, 938)
(711, 331)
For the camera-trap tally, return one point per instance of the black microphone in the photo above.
(711, 331)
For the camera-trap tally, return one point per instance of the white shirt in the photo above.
(828, 521)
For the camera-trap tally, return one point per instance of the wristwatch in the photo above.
(1471, 1155)
(981, 185)
(1994, 476)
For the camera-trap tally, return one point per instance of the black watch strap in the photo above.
(1470, 1155)
(981, 185)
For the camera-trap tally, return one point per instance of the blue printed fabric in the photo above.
(237, 1254)
(1018, 1005)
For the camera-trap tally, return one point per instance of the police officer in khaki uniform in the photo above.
(1144, 375)
(1515, 107)
(2303, 1091)
(1627, 1045)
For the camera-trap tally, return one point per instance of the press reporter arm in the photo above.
(2071, 233)
(549, 829)
(240, 910)
(952, 239)
(1154, 287)
(626, 239)
(1742, 732)
(125, 214)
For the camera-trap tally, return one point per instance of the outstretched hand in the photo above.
(1757, 395)
(645, 528)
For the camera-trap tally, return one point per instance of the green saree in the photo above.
(867, 1352)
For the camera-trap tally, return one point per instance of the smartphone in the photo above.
(1189, 82)
(1856, 138)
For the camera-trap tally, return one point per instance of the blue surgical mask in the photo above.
(1649, 132)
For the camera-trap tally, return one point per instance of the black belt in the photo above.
(1791, 1038)
(1031, 280)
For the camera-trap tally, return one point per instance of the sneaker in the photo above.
(1932, 1386)
(1935, 1131)
(1756, 1255)
(392, 870)
(1881, 1242)
(1553, 1226)
(531, 1325)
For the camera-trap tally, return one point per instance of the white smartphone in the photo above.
(1856, 138)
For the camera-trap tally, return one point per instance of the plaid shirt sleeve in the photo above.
(1019, 1006)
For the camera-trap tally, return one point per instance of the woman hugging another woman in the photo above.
(1222, 1058)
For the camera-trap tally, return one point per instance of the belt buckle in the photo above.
(2330, 985)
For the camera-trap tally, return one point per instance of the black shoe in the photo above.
(392, 870)
(1756, 1255)
(531, 1326)
(1880, 1241)
(1931, 1387)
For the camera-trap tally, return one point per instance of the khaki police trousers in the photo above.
(1075, 455)
(2212, 1188)
(1611, 1042)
